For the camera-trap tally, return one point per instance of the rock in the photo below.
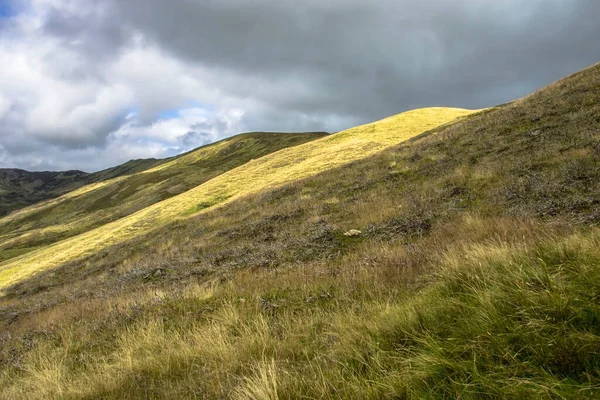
(155, 273)
(353, 233)
(535, 133)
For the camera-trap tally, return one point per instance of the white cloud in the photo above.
(40, 76)
(170, 130)
(70, 113)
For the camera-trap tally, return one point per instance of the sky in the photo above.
(89, 84)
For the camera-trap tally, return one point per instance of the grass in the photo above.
(128, 188)
(19, 189)
(8, 254)
(280, 167)
(475, 276)
(499, 319)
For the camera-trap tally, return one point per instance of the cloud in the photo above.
(195, 139)
(88, 84)
(4, 106)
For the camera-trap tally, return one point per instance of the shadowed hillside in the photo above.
(123, 190)
(20, 188)
(474, 271)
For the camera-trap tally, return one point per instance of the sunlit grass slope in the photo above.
(283, 166)
(476, 275)
(130, 187)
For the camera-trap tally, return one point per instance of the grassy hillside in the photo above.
(19, 188)
(274, 169)
(475, 275)
(123, 190)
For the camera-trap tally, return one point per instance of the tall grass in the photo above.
(497, 318)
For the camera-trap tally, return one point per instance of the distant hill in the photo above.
(118, 209)
(19, 188)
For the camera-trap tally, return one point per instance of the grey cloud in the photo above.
(218, 124)
(195, 139)
(376, 58)
(94, 34)
(328, 65)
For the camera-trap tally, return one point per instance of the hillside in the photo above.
(120, 191)
(475, 272)
(258, 174)
(19, 188)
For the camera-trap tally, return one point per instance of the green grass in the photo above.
(8, 254)
(476, 276)
(20, 188)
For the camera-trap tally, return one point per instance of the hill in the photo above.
(474, 273)
(258, 174)
(120, 191)
(19, 188)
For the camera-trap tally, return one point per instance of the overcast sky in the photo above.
(87, 84)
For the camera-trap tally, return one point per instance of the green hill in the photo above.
(120, 191)
(473, 271)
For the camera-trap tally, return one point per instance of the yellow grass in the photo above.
(272, 170)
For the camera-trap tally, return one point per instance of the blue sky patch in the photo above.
(168, 114)
(175, 112)
(7, 9)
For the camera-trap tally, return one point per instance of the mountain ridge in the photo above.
(14, 196)
(20, 188)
